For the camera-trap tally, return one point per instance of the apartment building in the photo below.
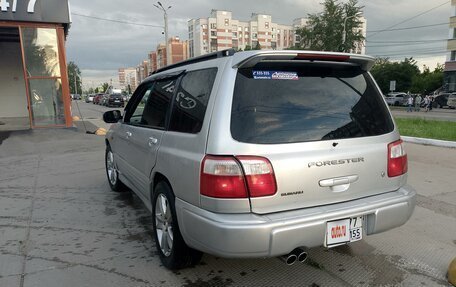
(450, 64)
(220, 31)
(152, 57)
(127, 77)
(178, 51)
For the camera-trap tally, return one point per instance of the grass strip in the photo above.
(431, 129)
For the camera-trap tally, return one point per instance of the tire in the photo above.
(172, 249)
(112, 173)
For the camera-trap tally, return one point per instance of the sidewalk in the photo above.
(60, 225)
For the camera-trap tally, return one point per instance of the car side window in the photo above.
(152, 109)
(191, 101)
(136, 116)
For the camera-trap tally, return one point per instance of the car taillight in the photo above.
(259, 174)
(224, 177)
(322, 57)
(397, 159)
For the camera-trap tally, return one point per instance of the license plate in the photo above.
(343, 231)
(117, 101)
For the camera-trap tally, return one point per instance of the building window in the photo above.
(213, 34)
(272, 29)
(204, 26)
(254, 35)
(254, 29)
(235, 35)
(246, 29)
(213, 26)
(227, 22)
(266, 25)
(453, 56)
(240, 29)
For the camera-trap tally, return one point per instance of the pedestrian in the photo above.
(426, 103)
(418, 103)
(409, 104)
(431, 102)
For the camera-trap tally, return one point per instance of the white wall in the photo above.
(13, 97)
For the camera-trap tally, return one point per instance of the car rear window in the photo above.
(288, 103)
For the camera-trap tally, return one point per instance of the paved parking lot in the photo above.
(60, 225)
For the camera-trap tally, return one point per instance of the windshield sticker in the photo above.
(274, 75)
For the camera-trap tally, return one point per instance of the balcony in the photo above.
(453, 22)
(451, 45)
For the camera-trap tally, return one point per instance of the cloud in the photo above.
(102, 46)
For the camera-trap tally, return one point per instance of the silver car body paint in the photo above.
(317, 181)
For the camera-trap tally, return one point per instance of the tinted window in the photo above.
(153, 107)
(191, 101)
(314, 102)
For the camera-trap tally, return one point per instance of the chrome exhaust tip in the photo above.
(289, 259)
(301, 254)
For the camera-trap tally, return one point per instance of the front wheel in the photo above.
(172, 249)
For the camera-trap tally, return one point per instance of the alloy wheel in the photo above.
(164, 224)
(111, 168)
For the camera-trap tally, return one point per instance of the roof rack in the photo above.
(210, 56)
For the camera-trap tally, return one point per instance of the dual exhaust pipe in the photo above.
(298, 254)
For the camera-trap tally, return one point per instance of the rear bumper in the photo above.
(269, 235)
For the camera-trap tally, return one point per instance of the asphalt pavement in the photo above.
(435, 114)
(60, 225)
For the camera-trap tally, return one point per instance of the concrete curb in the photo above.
(431, 142)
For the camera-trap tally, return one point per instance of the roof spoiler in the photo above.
(365, 62)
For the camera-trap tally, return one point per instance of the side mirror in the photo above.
(112, 117)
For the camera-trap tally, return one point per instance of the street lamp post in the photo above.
(344, 33)
(165, 18)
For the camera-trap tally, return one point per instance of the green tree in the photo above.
(248, 48)
(74, 74)
(403, 73)
(428, 81)
(324, 31)
(104, 87)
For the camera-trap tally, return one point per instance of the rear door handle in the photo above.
(128, 135)
(152, 141)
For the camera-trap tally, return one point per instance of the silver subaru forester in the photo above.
(260, 154)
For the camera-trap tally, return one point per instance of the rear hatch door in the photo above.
(322, 124)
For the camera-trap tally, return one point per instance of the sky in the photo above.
(100, 47)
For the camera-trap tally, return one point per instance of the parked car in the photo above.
(97, 99)
(441, 100)
(451, 102)
(115, 100)
(397, 99)
(104, 100)
(89, 98)
(75, 96)
(260, 154)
